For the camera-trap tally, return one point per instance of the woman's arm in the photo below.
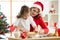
(43, 26)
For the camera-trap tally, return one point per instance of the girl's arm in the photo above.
(20, 28)
(33, 24)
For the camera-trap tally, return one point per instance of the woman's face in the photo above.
(34, 12)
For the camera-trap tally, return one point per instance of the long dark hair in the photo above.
(24, 10)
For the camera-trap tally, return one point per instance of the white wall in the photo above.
(5, 8)
(59, 14)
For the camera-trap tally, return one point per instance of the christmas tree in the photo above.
(3, 24)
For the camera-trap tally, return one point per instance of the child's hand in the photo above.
(36, 31)
(26, 31)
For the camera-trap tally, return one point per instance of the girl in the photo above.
(35, 13)
(24, 20)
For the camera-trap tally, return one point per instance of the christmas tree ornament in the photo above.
(12, 28)
(23, 35)
(0, 17)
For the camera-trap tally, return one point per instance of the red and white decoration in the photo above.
(52, 10)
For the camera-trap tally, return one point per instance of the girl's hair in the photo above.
(24, 10)
(37, 16)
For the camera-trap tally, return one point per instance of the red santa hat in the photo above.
(38, 5)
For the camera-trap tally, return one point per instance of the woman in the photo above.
(35, 10)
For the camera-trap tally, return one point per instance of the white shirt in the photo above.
(25, 23)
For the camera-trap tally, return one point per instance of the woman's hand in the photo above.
(41, 31)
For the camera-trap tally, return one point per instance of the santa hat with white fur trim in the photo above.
(38, 5)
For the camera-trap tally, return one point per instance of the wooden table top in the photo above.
(42, 38)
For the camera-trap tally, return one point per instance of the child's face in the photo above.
(25, 16)
(34, 12)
